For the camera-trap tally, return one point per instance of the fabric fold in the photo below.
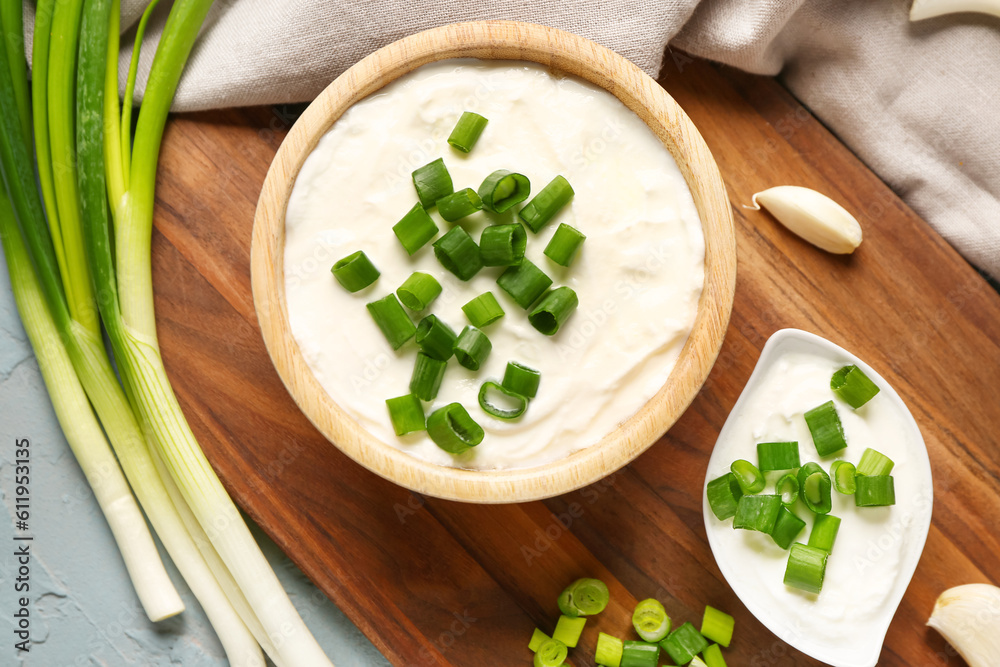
(916, 101)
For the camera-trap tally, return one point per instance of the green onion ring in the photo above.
(500, 413)
(453, 429)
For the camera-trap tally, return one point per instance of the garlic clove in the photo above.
(812, 216)
(969, 618)
(926, 9)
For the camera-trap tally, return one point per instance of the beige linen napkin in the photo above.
(918, 102)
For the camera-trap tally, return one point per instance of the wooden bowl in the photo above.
(565, 52)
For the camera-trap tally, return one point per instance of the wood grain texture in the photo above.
(567, 53)
(433, 582)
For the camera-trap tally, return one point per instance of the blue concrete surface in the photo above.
(82, 608)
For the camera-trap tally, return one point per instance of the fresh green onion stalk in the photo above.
(128, 314)
(157, 594)
(84, 349)
(64, 274)
(66, 19)
(124, 128)
(240, 645)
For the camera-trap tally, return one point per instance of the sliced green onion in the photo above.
(814, 488)
(826, 429)
(418, 290)
(432, 182)
(467, 131)
(355, 272)
(824, 532)
(777, 456)
(757, 513)
(717, 626)
(502, 189)
(546, 203)
(748, 476)
(713, 656)
(843, 473)
(472, 348)
(806, 568)
(786, 528)
(608, 651)
(415, 229)
(458, 253)
(537, 637)
(724, 494)
(522, 380)
(874, 464)
(569, 629)
(483, 310)
(697, 662)
(459, 204)
(683, 644)
(453, 430)
(553, 310)
(853, 387)
(503, 245)
(491, 408)
(816, 492)
(563, 245)
(551, 653)
(406, 414)
(639, 654)
(650, 620)
(524, 283)
(584, 597)
(875, 491)
(427, 375)
(390, 317)
(787, 487)
(435, 338)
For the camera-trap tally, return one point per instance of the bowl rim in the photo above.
(564, 52)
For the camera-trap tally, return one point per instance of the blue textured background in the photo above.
(83, 609)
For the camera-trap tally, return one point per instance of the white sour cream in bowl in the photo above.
(639, 275)
(876, 549)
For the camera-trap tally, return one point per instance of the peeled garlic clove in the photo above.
(969, 618)
(813, 216)
(926, 9)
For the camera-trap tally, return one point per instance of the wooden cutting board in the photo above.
(435, 582)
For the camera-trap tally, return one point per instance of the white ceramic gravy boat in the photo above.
(877, 549)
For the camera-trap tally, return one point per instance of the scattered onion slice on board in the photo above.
(812, 216)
